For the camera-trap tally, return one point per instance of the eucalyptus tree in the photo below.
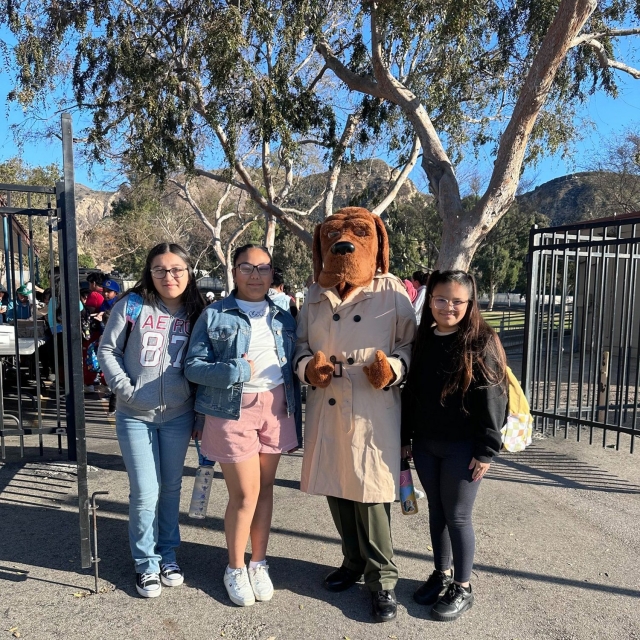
(499, 74)
(171, 84)
(176, 86)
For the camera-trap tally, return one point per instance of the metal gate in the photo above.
(582, 330)
(37, 340)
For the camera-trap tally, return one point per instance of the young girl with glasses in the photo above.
(453, 407)
(241, 358)
(143, 362)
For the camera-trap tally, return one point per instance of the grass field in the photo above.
(514, 320)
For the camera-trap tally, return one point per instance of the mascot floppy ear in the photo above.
(317, 253)
(382, 257)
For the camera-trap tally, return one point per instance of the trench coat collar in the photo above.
(317, 294)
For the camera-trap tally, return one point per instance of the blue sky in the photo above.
(607, 117)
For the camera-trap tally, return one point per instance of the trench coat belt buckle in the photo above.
(339, 366)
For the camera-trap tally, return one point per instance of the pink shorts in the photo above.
(263, 427)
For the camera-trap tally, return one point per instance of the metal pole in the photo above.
(72, 338)
(94, 512)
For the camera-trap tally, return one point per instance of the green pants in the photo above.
(365, 530)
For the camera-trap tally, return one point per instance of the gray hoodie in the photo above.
(148, 376)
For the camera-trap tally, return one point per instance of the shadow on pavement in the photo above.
(548, 468)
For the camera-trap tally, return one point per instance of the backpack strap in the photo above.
(134, 308)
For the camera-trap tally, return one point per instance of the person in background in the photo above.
(95, 298)
(241, 358)
(21, 307)
(411, 290)
(453, 407)
(144, 366)
(420, 283)
(3, 302)
(110, 291)
(276, 291)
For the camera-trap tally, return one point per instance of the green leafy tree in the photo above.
(499, 264)
(164, 81)
(169, 85)
(414, 229)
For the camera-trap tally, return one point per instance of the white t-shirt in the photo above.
(262, 349)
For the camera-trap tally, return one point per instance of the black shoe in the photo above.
(341, 579)
(384, 605)
(453, 603)
(433, 588)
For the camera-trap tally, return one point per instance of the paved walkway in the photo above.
(558, 556)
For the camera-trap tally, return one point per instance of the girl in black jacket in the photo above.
(453, 407)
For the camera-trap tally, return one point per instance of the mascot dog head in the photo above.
(348, 248)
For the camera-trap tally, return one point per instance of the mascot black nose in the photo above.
(342, 248)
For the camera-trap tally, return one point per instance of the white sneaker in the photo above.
(238, 587)
(419, 494)
(171, 574)
(261, 582)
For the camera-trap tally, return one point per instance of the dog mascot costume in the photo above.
(354, 344)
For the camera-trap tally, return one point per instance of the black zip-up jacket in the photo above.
(424, 416)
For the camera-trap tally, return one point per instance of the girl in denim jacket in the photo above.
(240, 356)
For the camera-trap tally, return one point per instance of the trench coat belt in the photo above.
(346, 388)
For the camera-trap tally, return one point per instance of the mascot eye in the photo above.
(361, 233)
(333, 234)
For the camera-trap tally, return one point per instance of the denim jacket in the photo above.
(215, 363)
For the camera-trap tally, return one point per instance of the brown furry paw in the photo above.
(379, 372)
(319, 371)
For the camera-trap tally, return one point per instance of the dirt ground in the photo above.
(558, 555)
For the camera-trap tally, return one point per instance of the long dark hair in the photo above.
(477, 344)
(191, 297)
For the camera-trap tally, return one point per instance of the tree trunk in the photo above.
(492, 297)
(461, 237)
(270, 231)
(229, 276)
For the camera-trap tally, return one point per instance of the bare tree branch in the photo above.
(401, 179)
(606, 61)
(336, 162)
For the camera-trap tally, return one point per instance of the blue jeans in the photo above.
(154, 454)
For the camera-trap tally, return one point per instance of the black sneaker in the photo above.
(148, 585)
(171, 574)
(453, 603)
(433, 588)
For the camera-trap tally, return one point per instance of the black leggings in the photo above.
(443, 469)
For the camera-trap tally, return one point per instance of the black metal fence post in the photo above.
(72, 338)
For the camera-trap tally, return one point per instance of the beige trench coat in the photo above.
(352, 431)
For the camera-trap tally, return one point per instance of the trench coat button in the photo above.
(357, 318)
(332, 401)
(333, 359)
(350, 360)
(336, 316)
(313, 388)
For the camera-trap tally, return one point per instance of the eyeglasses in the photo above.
(159, 272)
(443, 303)
(246, 269)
